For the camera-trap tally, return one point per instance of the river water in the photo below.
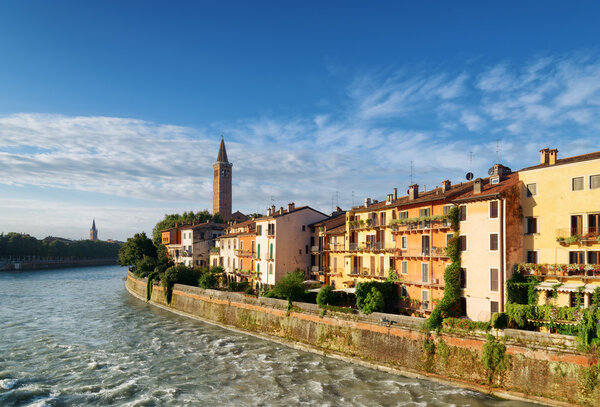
(76, 337)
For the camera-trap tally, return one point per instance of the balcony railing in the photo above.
(421, 252)
(366, 224)
(372, 246)
(560, 270)
(567, 236)
(336, 247)
(245, 253)
(423, 225)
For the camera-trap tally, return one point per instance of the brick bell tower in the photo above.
(222, 184)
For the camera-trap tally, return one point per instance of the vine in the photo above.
(151, 277)
(450, 303)
(494, 358)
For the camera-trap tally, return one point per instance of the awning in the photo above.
(347, 290)
(569, 287)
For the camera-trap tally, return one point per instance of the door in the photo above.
(593, 223)
(373, 265)
(381, 265)
(425, 245)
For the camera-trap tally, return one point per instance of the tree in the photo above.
(373, 302)
(135, 249)
(325, 296)
(290, 287)
(190, 217)
(145, 266)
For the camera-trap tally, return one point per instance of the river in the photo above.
(76, 337)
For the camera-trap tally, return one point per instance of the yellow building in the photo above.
(561, 210)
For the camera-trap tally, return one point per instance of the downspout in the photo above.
(502, 254)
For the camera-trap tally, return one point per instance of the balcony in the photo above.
(560, 271)
(336, 247)
(434, 252)
(245, 253)
(372, 246)
(314, 249)
(569, 236)
(366, 224)
(413, 225)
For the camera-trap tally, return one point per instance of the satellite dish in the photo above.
(469, 176)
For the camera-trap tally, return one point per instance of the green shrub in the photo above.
(388, 289)
(494, 357)
(465, 324)
(153, 276)
(145, 266)
(373, 302)
(235, 286)
(499, 320)
(290, 287)
(325, 296)
(208, 281)
(249, 291)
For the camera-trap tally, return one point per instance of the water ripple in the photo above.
(76, 337)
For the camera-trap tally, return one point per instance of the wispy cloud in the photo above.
(363, 147)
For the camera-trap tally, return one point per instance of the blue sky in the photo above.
(114, 109)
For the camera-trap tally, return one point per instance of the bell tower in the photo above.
(94, 231)
(222, 184)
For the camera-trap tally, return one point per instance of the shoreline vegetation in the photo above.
(24, 252)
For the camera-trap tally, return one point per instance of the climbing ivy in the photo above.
(449, 306)
(151, 277)
(494, 357)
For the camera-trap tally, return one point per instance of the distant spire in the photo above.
(222, 157)
(94, 224)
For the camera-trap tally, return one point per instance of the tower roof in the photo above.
(94, 224)
(222, 157)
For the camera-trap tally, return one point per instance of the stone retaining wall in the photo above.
(540, 367)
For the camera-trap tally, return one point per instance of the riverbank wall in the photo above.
(53, 264)
(544, 368)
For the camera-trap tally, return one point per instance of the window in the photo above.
(593, 257)
(258, 251)
(494, 306)
(463, 243)
(423, 213)
(446, 212)
(271, 268)
(576, 257)
(271, 252)
(462, 210)
(403, 242)
(577, 299)
(594, 181)
(258, 230)
(306, 248)
(425, 299)
(303, 228)
(403, 291)
(532, 256)
(404, 267)
(448, 237)
(531, 226)
(494, 241)
(258, 267)
(577, 184)
(531, 189)
(493, 209)
(425, 272)
(493, 279)
(404, 215)
(463, 278)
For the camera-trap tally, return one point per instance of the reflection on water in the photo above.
(76, 337)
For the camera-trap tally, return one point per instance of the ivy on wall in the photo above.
(449, 306)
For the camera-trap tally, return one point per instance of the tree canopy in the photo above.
(186, 218)
(135, 249)
(18, 244)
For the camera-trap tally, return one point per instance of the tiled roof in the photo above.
(222, 156)
(336, 230)
(286, 212)
(331, 222)
(567, 160)
(435, 194)
(489, 190)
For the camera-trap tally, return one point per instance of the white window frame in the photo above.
(490, 279)
(577, 190)
(425, 298)
(402, 264)
(425, 264)
(497, 209)
(590, 181)
(490, 242)
(403, 242)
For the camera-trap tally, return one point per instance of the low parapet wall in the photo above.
(539, 367)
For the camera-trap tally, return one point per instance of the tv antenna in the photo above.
(497, 151)
(469, 175)
(411, 172)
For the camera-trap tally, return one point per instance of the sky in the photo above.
(114, 110)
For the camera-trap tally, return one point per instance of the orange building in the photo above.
(421, 231)
(246, 248)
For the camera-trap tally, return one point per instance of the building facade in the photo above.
(328, 249)
(561, 221)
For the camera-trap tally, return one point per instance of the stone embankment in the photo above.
(535, 366)
(53, 264)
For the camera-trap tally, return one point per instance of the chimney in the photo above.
(390, 198)
(446, 185)
(367, 202)
(272, 209)
(477, 186)
(291, 206)
(552, 156)
(395, 193)
(281, 210)
(413, 192)
(269, 211)
(544, 156)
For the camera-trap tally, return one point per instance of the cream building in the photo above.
(283, 242)
(561, 220)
